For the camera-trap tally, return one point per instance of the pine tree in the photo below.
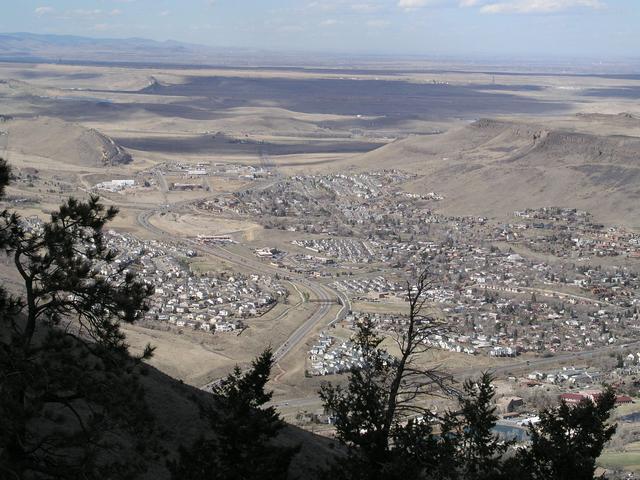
(5, 174)
(240, 444)
(567, 441)
(383, 441)
(70, 402)
(477, 451)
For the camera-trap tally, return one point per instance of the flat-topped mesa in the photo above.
(616, 149)
(490, 167)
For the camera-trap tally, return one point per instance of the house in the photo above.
(575, 398)
(572, 398)
(509, 404)
(225, 327)
(623, 400)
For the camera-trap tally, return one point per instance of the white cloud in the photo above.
(330, 22)
(40, 11)
(95, 14)
(323, 6)
(412, 4)
(82, 12)
(346, 7)
(164, 13)
(532, 6)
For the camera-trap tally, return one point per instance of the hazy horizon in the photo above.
(549, 29)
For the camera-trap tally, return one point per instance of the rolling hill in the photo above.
(64, 142)
(493, 167)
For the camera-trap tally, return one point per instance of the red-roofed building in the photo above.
(623, 400)
(575, 398)
(572, 398)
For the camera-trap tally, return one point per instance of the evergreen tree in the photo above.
(240, 445)
(70, 402)
(5, 174)
(568, 440)
(477, 451)
(71, 405)
(382, 440)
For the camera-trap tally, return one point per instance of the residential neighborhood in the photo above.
(208, 302)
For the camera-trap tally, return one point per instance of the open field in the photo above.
(202, 225)
(628, 460)
(372, 307)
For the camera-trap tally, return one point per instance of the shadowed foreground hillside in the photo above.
(175, 407)
(176, 420)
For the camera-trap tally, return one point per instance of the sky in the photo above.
(544, 28)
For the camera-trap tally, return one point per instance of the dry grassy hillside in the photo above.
(494, 167)
(63, 142)
(18, 88)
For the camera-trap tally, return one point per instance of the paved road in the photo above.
(538, 363)
(323, 293)
(556, 294)
(162, 183)
(531, 365)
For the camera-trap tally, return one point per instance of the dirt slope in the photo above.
(64, 142)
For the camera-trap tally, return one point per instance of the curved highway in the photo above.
(324, 294)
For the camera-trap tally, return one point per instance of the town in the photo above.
(209, 302)
(490, 282)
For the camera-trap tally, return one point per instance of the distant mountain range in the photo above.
(30, 47)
